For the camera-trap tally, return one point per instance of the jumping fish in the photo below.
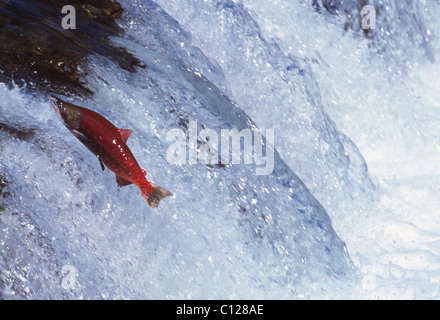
(109, 144)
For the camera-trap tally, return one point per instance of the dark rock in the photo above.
(21, 134)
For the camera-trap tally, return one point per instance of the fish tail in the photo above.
(158, 194)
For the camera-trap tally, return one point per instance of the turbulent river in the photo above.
(331, 192)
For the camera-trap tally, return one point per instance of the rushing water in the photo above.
(349, 210)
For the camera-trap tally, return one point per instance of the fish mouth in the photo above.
(55, 102)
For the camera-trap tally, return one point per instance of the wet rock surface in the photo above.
(38, 53)
(18, 133)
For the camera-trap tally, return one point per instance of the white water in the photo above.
(335, 104)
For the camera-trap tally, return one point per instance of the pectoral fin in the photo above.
(101, 163)
(122, 182)
(80, 136)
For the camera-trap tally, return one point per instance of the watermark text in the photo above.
(229, 147)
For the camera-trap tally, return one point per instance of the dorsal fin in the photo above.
(125, 134)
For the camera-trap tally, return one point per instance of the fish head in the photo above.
(68, 113)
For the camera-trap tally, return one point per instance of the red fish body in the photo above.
(108, 143)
